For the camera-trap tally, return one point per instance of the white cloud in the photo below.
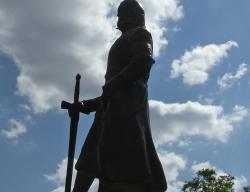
(203, 165)
(14, 130)
(58, 178)
(228, 79)
(25, 107)
(239, 181)
(206, 100)
(172, 164)
(194, 65)
(157, 14)
(207, 165)
(185, 143)
(175, 186)
(51, 41)
(173, 122)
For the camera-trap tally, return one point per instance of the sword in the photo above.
(73, 133)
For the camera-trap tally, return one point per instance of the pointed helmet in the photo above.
(131, 14)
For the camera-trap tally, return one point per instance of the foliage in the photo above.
(207, 180)
(247, 189)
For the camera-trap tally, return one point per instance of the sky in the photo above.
(199, 87)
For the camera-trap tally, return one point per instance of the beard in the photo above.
(125, 24)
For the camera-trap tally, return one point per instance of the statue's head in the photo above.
(130, 14)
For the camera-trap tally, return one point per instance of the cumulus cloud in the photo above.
(157, 14)
(14, 130)
(51, 41)
(239, 181)
(58, 177)
(228, 79)
(173, 122)
(172, 164)
(194, 65)
(203, 165)
(175, 186)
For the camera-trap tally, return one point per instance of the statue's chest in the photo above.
(120, 49)
(119, 56)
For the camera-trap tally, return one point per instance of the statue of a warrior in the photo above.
(119, 149)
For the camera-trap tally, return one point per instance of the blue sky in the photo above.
(198, 89)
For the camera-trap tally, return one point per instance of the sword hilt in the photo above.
(77, 88)
(67, 105)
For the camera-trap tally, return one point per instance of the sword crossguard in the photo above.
(65, 105)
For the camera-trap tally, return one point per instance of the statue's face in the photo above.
(130, 14)
(125, 20)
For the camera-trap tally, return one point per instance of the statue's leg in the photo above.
(83, 182)
(122, 187)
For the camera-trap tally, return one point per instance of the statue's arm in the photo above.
(140, 65)
(85, 106)
(91, 105)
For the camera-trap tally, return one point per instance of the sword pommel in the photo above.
(78, 77)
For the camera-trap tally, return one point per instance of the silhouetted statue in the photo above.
(119, 149)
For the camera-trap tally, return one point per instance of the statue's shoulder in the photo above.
(138, 33)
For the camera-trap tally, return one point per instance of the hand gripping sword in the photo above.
(73, 133)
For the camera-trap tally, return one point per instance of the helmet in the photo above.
(131, 6)
(131, 14)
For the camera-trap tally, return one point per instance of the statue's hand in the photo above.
(78, 107)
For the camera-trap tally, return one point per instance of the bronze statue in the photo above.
(119, 149)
